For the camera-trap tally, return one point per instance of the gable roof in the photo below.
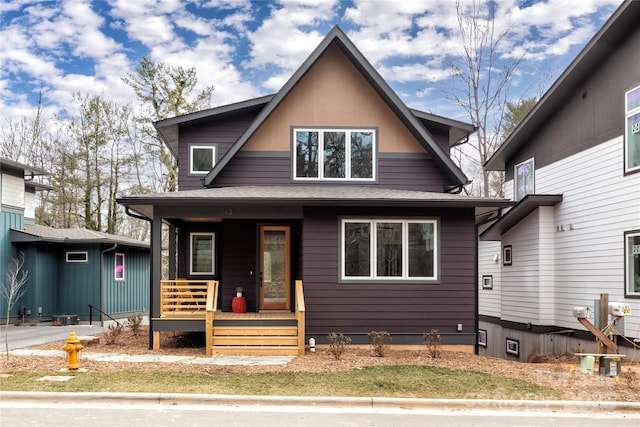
(337, 36)
(41, 233)
(623, 21)
(168, 128)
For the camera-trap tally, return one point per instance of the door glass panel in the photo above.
(275, 267)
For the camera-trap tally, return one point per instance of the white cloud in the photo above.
(283, 39)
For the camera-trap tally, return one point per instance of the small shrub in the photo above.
(433, 340)
(111, 336)
(379, 341)
(338, 344)
(134, 322)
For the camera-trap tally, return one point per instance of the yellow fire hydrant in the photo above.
(73, 347)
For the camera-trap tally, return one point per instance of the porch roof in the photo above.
(306, 195)
(524, 207)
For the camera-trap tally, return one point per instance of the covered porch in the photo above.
(268, 332)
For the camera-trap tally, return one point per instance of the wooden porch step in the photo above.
(276, 340)
(257, 351)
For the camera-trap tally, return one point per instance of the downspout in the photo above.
(129, 212)
(102, 297)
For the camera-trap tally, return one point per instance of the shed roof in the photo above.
(41, 233)
(516, 214)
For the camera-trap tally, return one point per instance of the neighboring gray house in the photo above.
(68, 269)
(573, 167)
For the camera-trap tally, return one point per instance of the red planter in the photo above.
(239, 304)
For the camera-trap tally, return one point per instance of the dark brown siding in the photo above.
(401, 171)
(221, 133)
(238, 262)
(592, 114)
(408, 308)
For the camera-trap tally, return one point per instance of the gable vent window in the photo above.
(334, 154)
(632, 131)
(77, 257)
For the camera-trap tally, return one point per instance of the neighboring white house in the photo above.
(573, 166)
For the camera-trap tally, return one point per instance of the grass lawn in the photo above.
(377, 381)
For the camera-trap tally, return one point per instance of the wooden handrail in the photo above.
(300, 316)
(212, 307)
(182, 297)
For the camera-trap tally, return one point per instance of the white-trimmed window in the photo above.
(202, 158)
(334, 154)
(78, 256)
(202, 253)
(632, 131)
(119, 267)
(632, 263)
(523, 179)
(389, 249)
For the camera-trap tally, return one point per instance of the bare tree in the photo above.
(479, 85)
(13, 289)
(165, 91)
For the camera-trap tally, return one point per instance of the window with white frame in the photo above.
(523, 179)
(119, 267)
(632, 131)
(202, 158)
(80, 256)
(334, 154)
(202, 253)
(632, 263)
(389, 249)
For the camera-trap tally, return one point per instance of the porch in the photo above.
(268, 332)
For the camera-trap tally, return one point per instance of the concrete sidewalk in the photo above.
(220, 360)
(630, 409)
(41, 333)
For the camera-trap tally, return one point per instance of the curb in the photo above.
(321, 401)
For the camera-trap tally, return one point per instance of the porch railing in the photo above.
(300, 316)
(212, 307)
(182, 297)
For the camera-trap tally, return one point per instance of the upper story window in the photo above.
(202, 158)
(334, 154)
(389, 249)
(523, 179)
(632, 131)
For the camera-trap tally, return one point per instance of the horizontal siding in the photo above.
(520, 281)
(600, 205)
(12, 190)
(489, 302)
(395, 307)
(221, 133)
(404, 173)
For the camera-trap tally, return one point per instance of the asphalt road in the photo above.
(96, 414)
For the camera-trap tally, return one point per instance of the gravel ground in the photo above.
(561, 373)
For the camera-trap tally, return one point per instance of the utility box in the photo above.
(610, 366)
(66, 319)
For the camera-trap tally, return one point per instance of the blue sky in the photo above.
(250, 48)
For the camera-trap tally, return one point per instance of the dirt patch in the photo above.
(561, 373)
